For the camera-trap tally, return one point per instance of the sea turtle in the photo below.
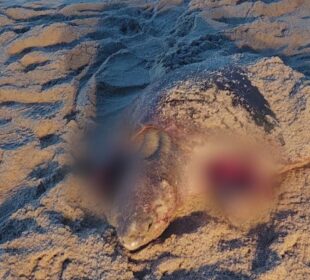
(211, 141)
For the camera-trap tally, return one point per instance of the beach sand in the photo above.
(64, 63)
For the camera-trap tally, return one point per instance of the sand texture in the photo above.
(65, 64)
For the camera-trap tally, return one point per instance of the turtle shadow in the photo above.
(206, 272)
(263, 236)
(185, 225)
(203, 272)
(265, 258)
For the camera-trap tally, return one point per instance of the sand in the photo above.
(65, 64)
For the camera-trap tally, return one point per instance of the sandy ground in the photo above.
(64, 63)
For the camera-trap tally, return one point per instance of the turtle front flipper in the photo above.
(237, 181)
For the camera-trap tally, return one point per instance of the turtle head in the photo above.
(141, 188)
(143, 215)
